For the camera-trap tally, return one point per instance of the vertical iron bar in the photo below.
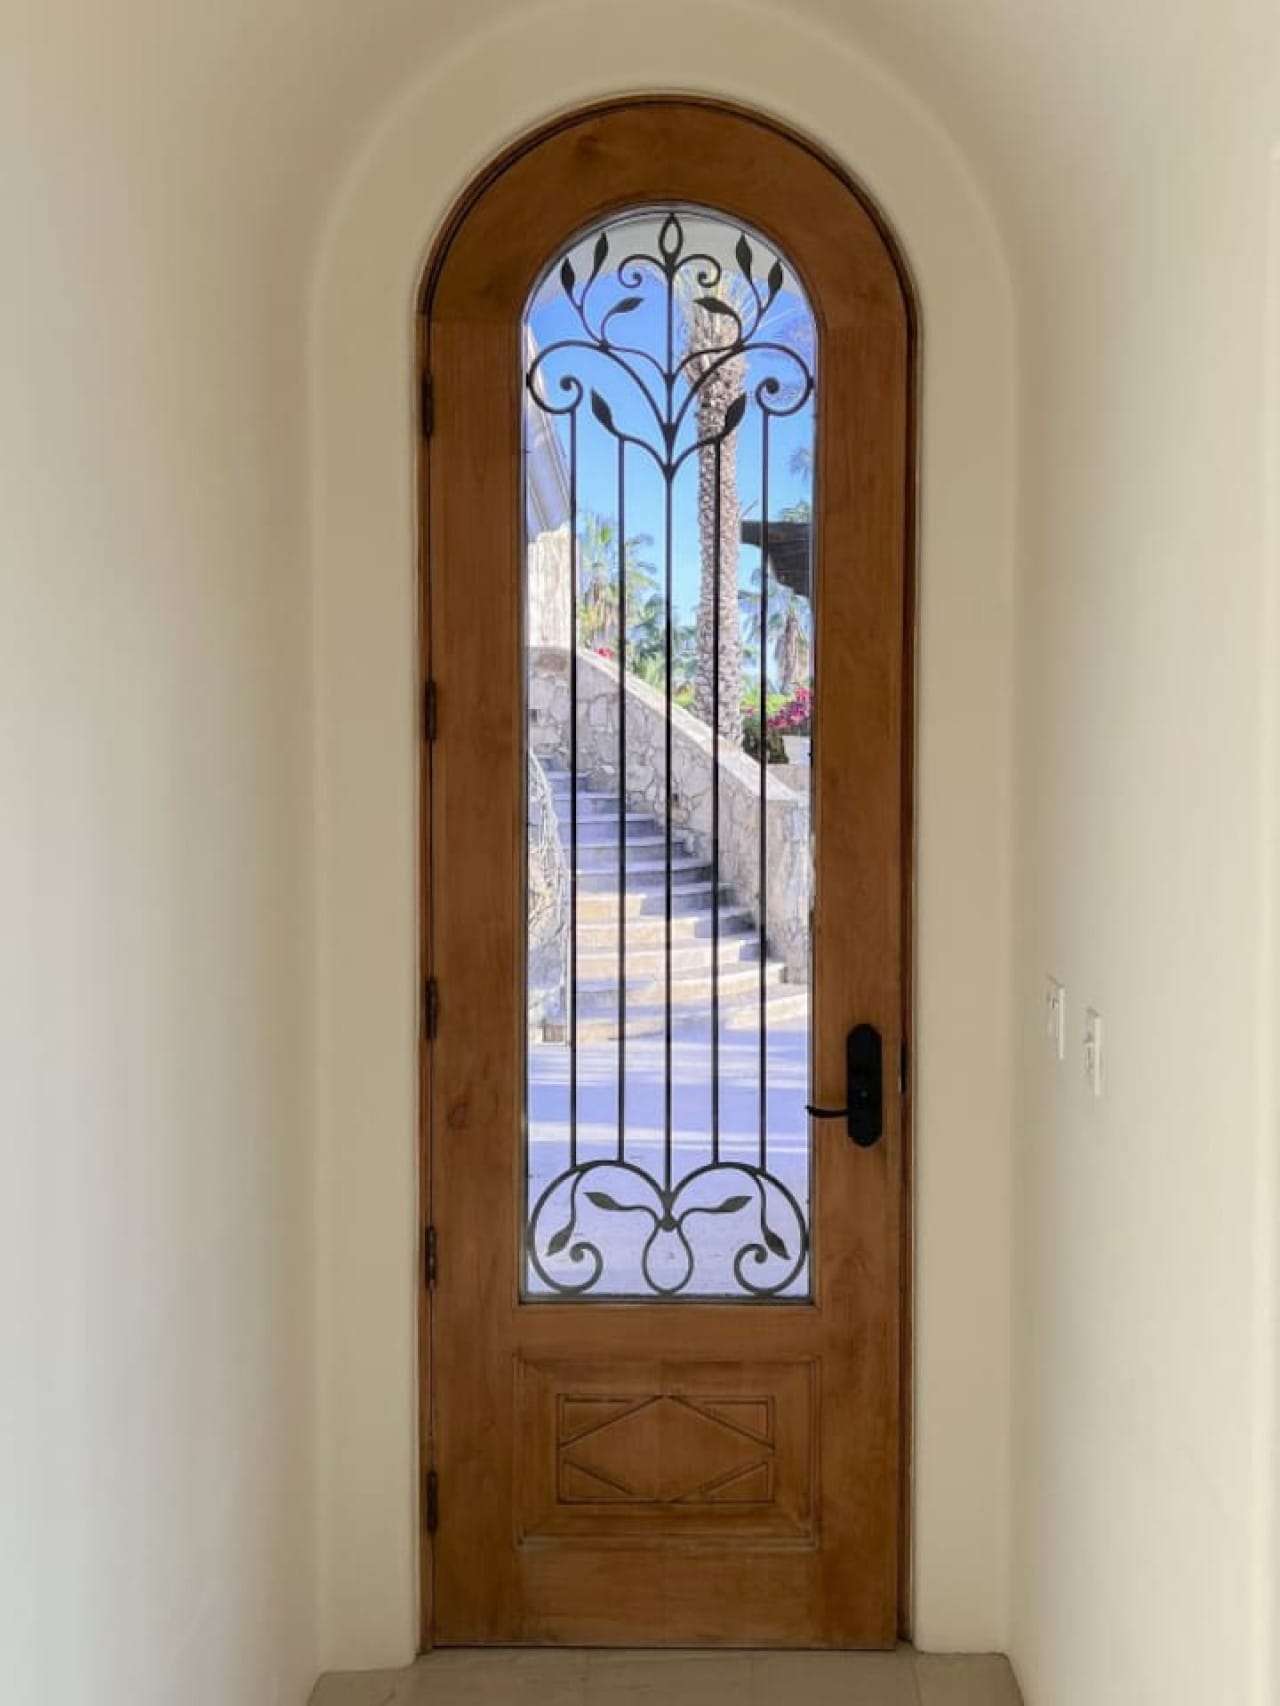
(622, 801)
(668, 478)
(715, 824)
(668, 1101)
(764, 777)
(573, 789)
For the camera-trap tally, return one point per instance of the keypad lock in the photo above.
(863, 1112)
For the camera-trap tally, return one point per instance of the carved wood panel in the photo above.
(667, 1448)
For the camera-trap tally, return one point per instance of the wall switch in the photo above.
(1055, 1017)
(1093, 1049)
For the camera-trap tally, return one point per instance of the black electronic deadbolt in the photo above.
(863, 1113)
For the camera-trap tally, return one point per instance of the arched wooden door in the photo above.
(666, 356)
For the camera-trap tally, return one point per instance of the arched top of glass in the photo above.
(645, 313)
(706, 243)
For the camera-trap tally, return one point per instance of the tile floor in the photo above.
(495, 1677)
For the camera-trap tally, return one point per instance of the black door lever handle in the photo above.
(864, 1088)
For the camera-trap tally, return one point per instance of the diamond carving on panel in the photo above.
(665, 1450)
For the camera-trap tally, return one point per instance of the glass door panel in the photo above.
(669, 383)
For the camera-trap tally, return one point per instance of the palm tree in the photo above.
(720, 381)
(788, 628)
(647, 646)
(684, 659)
(718, 370)
(791, 647)
(598, 581)
(647, 641)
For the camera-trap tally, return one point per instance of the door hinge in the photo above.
(433, 1501)
(429, 1260)
(431, 1008)
(430, 711)
(902, 1068)
(427, 406)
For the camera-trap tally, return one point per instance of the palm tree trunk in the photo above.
(791, 653)
(717, 500)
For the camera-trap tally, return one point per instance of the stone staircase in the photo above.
(694, 905)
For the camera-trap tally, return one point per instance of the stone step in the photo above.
(651, 1022)
(558, 782)
(600, 819)
(695, 956)
(560, 790)
(595, 811)
(694, 903)
(602, 831)
(600, 905)
(649, 853)
(647, 876)
(601, 936)
(783, 1003)
(691, 990)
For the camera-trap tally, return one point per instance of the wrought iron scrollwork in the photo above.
(764, 1262)
(666, 386)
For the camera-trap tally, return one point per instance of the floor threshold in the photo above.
(494, 1676)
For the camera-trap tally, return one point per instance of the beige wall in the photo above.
(469, 104)
(1146, 1221)
(156, 1404)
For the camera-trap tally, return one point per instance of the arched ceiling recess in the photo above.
(971, 66)
(792, 66)
(1053, 100)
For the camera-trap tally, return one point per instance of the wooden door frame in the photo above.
(453, 220)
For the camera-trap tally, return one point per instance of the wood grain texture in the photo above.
(482, 1581)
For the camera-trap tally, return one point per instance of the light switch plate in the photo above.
(1055, 1016)
(1093, 1049)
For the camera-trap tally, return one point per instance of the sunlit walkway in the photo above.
(697, 1256)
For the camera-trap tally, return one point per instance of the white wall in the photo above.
(469, 102)
(1145, 1431)
(155, 1249)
